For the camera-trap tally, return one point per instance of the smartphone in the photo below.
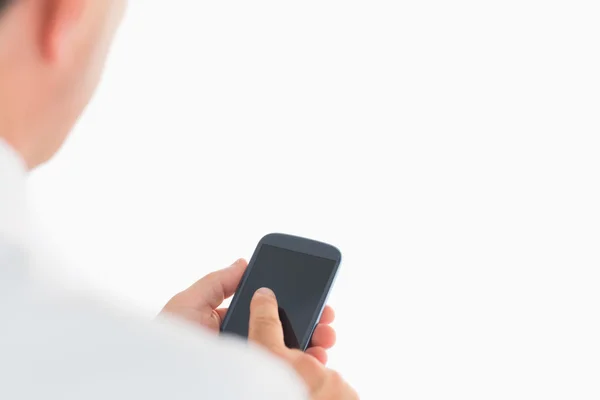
(300, 271)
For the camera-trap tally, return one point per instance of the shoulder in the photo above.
(81, 350)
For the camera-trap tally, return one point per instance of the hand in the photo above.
(200, 304)
(266, 330)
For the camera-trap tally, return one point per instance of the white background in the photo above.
(449, 149)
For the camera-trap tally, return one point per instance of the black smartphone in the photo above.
(300, 271)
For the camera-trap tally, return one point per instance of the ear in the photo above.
(60, 25)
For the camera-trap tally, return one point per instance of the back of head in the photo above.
(51, 58)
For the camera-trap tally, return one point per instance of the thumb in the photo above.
(265, 326)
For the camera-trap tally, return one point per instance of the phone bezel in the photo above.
(301, 245)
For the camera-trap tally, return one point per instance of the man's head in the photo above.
(52, 53)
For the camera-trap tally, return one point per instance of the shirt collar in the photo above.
(9, 157)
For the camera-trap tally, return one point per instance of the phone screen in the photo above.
(299, 281)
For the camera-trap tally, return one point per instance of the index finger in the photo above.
(214, 288)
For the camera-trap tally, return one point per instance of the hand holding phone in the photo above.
(300, 272)
(266, 330)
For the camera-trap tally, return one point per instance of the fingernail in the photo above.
(265, 292)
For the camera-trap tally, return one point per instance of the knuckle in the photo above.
(174, 302)
(212, 280)
(209, 278)
(261, 329)
(264, 320)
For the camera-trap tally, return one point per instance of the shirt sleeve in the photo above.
(74, 350)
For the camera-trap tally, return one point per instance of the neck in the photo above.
(14, 114)
(20, 92)
(8, 150)
(22, 127)
(17, 145)
(18, 118)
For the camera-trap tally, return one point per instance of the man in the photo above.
(51, 346)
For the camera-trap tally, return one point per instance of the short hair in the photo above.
(3, 4)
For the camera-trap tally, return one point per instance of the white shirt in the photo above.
(56, 347)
